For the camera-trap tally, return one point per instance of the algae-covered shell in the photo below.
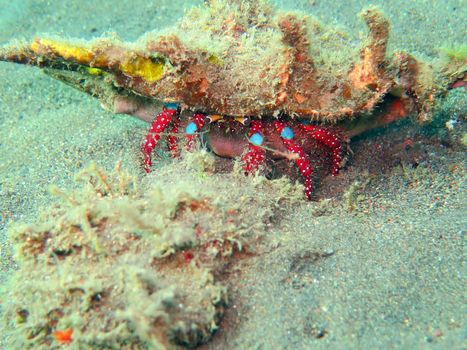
(243, 58)
(232, 58)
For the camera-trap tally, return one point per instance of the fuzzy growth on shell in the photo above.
(241, 58)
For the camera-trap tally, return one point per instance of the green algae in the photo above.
(457, 53)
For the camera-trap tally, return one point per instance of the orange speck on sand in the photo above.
(407, 143)
(64, 336)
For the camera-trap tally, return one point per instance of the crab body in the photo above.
(254, 151)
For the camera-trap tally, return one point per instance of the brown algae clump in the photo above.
(127, 264)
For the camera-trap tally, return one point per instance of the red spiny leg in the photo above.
(172, 140)
(255, 154)
(301, 161)
(160, 123)
(193, 128)
(329, 139)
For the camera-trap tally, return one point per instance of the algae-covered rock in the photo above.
(124, 263)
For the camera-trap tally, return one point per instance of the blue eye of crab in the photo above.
(287, 133)
(256, 139)
(191, 128)
(171, 105)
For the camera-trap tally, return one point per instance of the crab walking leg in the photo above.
(301, 160)
(329, 139)
(172, 138)
(255, 155)
(193, 128)
(160, 123)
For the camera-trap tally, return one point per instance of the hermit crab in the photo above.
(254, 82)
